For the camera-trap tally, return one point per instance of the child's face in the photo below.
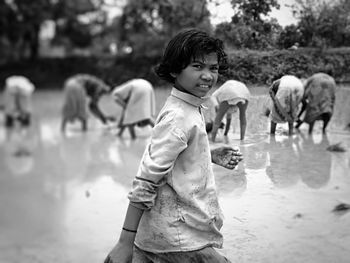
(199, 76)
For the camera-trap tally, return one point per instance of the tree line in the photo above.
(145, 26)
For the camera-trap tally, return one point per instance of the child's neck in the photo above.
(180, 88)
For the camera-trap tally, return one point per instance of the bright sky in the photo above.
(284, 14)
(224, 12)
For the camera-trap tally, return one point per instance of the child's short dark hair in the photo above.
(184, 48)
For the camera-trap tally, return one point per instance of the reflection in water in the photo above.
(48, 135)
(114, 157)
(75, 153)
(315, 161)
(230, 181)
(235, 181)
(255, 155)
(19, 165)
(130, 153)
(19, 149)
(341, 115)
(299, 158)
(89, 221)
(283, 169)
(27, 212)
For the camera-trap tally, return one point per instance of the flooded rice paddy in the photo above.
(63, 198)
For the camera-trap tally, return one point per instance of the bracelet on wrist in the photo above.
(129, 230)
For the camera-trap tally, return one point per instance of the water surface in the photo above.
(63, 198)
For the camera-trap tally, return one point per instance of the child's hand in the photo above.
(226, 156)
(109, 125)
(111, 118)
(121, 253)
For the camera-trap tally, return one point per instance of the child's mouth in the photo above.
(204, 86)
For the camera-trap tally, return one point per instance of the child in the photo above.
(228, 97)
(318, 101)
(173, 214)
(77, 90)
(138, 102)
(18, 101)
(286, 94)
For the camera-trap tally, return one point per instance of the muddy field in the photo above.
(63, 198)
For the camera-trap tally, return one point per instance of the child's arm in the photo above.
(122, 251)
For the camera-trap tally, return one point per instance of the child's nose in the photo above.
(207, 75)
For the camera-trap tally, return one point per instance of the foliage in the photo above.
(320, 24)
(147, 25)
(253, 10)
(254, 67)
(323, 24)
(289, 36)
(257, 35)
(249, 66)
(248, 28)
(78, 21)
(21, 21)
(20, 24)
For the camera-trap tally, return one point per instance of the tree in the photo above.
(323, 23)
(79, 21)
(146, 25)
(253, 10)
(307, 11)
(289, 36)
(250, 26)
(334, 24)
(20, 24)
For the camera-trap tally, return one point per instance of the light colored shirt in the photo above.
(175, 182)
(17, 97)
(233, 92)
(139, 98)
(287, 99)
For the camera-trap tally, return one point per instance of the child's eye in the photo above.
(214, 69)
(197, 66)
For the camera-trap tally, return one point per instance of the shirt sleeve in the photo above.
(167, 142)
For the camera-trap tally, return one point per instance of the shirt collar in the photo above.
(193, 100)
